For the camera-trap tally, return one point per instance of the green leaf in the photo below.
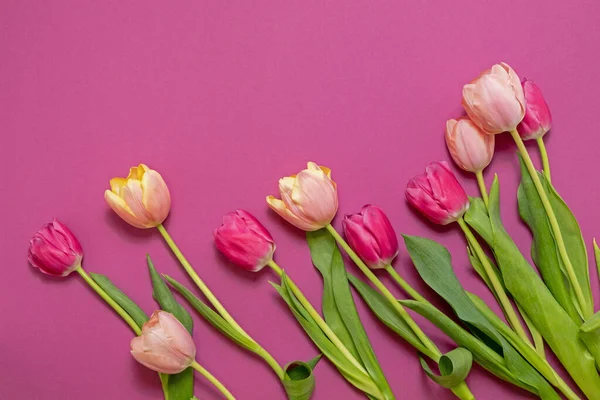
(454, 367)
(589, 332)
(299, 380)
(432, 261)
(529, 291)
(134, 311)
(597, 256)
(214, 318)
(544, 250)
(180, 386)
(328, 260)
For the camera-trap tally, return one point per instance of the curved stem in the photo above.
(213, 380)
(405, 285)
(265, 355)
(201, 285)
(482, 187)
(317, 317)
(435, 352)
(88, 279)
(544, 155)
(498, 288)
(586, 308)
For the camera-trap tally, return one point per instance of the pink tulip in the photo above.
(54, 250)
(308, 200)
(495, 100)
(164, 344)
(244, 241)
(371, 236)
(142, 199)
(538, 119)
(437, 194)
(470, 147)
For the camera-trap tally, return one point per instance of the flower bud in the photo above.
(537, 120)
(54, 250)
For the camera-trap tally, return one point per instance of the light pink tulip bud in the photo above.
(54, 250)
(244, 241)
(495, 100)
(538, 119)
(371, 236)
(470, 147)
(437, 194)
(142, 199)
(164, 344)
(308, 200)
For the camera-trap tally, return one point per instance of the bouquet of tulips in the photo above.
(551, 306)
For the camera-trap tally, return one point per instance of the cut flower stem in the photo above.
(482, 188)
(213, 380)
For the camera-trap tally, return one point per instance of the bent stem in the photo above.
(109, 300)
(586, 309)
(265, 355)
(201, 285)
(544, 155)
(212, 380)
(405, 285)
(318, 319)
(498, 288)
(482, 188)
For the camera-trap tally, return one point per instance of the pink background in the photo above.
(224, 98)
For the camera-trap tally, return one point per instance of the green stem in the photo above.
(435, 353)
(265, 355)
(405, 285)
(498, 288)
(201, 285)
(213, 380)
(544, 155)
(586, 309)
(482, 187)
(109, 300)
(317, 317)
(462, 391)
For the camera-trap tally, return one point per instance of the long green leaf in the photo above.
(180, 386)
(328, 260)
(544, 251)
(454, 367)
(528, 289)
(597, 257)
(589, 332)
(134, 311)
(432, 261)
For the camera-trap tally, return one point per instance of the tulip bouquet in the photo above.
(553, 308)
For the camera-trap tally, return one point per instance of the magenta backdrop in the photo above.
(224, 98)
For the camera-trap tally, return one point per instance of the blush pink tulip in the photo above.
(164, 344)
(470, 147)
(371, 236)
(142, 199)
(495, 100)
(308, 200)
(54, 250)
(244, 241)
(538, 119)
(437, 194)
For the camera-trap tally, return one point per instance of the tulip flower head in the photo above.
(371, 236)
(471, 148)
(495, 101)
(308, 199)
(437, 194)
(245, 241)
(164, 344)
(54, 250)
(142, 199)
(538, 119)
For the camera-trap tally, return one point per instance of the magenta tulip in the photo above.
(244, 241)
(538, 119)
(164, 344)
(371, 236)
(54, 250)
(437, 194)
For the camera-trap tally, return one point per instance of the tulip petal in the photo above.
(381, 229)
(279, 207)
(121, 208)
(317, 196)
(156, 198)
(361, 241)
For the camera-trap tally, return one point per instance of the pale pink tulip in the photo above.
(142, 199)
(164, 344)
(495, 100)
(54, 250)
(538, 119)
(470, 147)
(308, 200)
